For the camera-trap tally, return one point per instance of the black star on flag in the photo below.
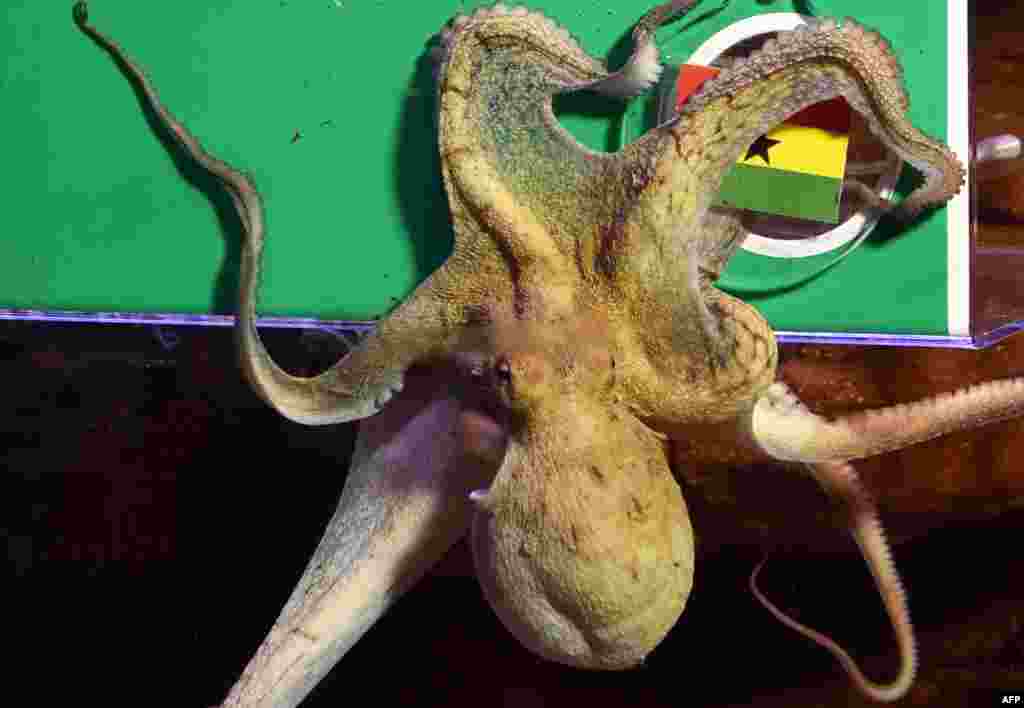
(760, 148)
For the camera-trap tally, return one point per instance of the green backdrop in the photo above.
(329, 105)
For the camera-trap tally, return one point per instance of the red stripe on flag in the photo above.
(690, 78)
(832, 115)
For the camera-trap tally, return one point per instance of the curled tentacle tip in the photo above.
(646, 69)
(80, 11)
(481, 499)
(641, 72)
(752, 581)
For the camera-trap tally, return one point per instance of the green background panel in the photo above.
(101, 217)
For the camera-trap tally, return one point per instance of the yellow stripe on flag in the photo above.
(812, 151)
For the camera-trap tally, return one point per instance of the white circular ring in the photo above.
(843, 233)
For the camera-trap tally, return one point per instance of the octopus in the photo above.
(578, 323)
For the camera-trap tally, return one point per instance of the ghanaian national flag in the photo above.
(794, 170)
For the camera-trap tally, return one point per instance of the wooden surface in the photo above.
(999, 109)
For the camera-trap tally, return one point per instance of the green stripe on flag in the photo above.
(793, 194)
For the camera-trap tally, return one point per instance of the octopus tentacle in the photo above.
(786, 430)
(841, 481)
(405, 502)
(730, 358)
(642, 70)
(811, 64)
(368, 377)
(867, 196)
(498, 71)
(729, 348)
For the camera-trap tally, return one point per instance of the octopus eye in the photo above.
(503, 370)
